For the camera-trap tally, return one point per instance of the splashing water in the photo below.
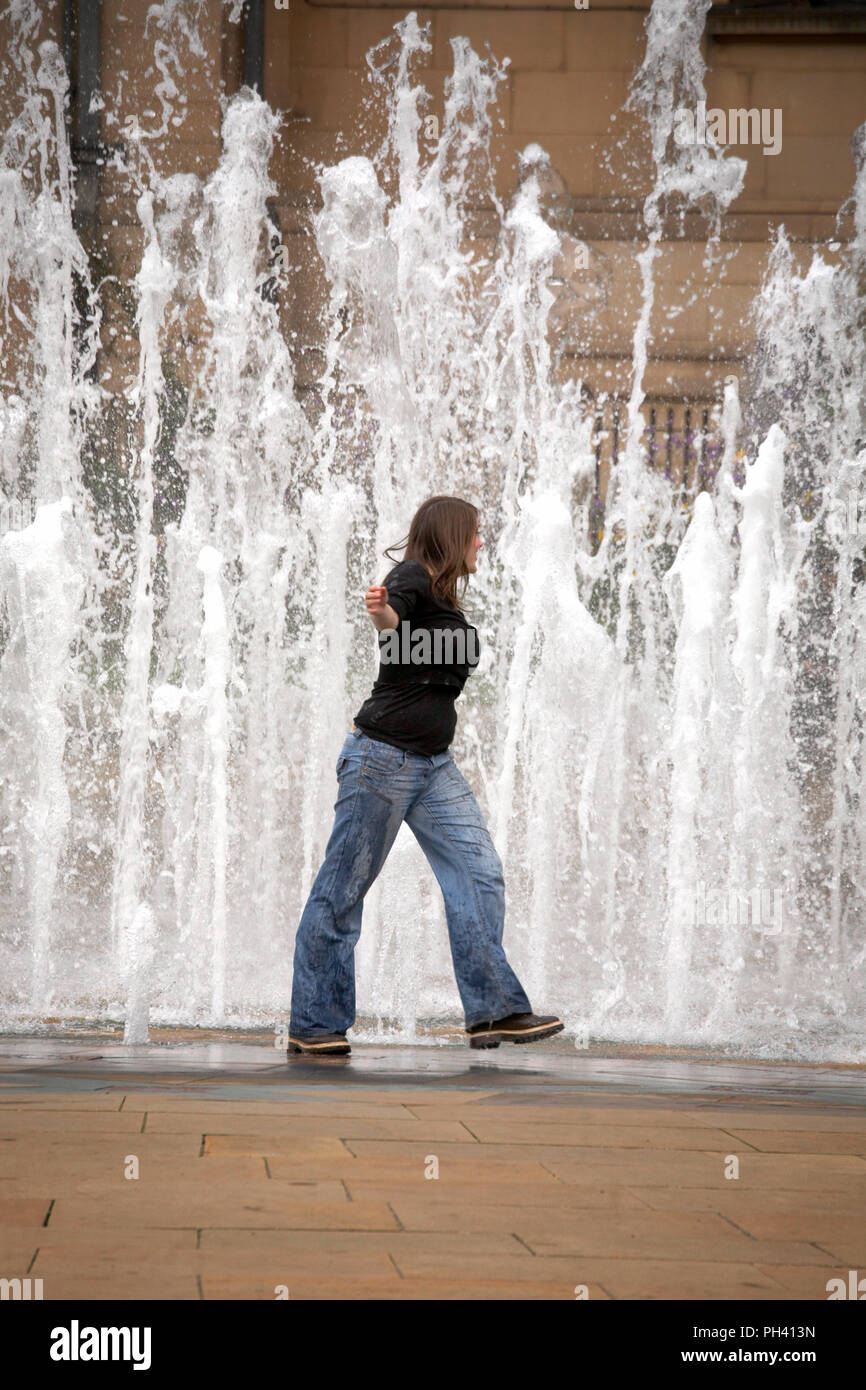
(666, 734)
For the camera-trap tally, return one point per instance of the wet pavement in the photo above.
(243, 1066)
(211, 1166)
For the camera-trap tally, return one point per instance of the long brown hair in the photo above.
(440, 533)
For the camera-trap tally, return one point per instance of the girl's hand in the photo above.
(376, 599)
(380, 614)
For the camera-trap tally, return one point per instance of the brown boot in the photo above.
(516, 1028)
(325, 1045)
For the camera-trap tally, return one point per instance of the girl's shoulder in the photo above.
(409, 571)
(411, 576)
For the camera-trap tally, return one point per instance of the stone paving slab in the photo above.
(553, 1171)
(16, 1097)
(800, 1281)
(476, 1171)
(28, 1157)
(22, 1211)
(74, 1284)
(582, 1109)
(652, 1112)
(113, 1243)
(629, 1279)
(274, 1127)
(210, 1174)
(372, 1276)
(749, 1204)
(442, 1199)
(321, 1107)
(795, 1141)
(797, 1173)
(847, 1250)
(834, 1233)
(397, 1288)
(280, 1209)
(18, 1246)
(321, 1245)
(595, 1136)
(829, 1121)
(70, 1121)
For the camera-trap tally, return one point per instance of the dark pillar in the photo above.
(82, 52)
(254, 45)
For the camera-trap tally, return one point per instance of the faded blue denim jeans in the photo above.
(379, 788)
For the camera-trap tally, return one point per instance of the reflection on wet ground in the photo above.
(242, 1064)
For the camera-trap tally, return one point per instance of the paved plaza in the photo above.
(207, 1166)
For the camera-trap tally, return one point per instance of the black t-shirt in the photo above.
(423, 666)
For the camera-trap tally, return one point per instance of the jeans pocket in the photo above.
(379, 767)
(346, 756)
(383, 757)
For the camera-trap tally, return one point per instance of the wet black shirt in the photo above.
(423, 666)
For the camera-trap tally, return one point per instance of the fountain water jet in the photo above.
(629, 756)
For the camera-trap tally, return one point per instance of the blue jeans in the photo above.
(379, 788)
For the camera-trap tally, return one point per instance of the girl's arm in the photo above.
(382, 615)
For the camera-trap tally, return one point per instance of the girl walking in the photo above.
(395, 766)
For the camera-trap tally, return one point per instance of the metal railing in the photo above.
(681, 441)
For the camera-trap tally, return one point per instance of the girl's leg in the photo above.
(448, 825)
(365, 827)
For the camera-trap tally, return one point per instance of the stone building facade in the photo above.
(565, 89)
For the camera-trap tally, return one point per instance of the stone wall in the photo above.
(567, 80)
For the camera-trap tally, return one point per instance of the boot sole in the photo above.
(311, 1049)
(516, 1035)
